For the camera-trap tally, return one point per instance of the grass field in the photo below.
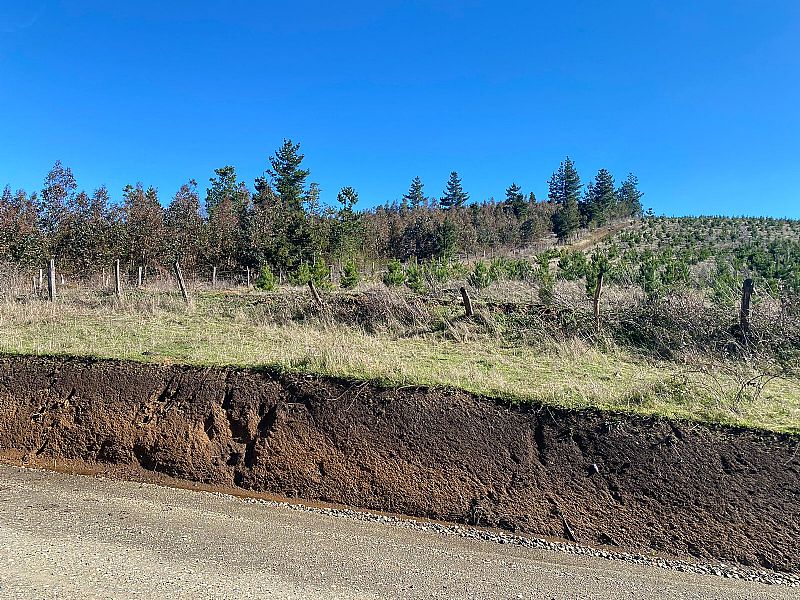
(433, 347)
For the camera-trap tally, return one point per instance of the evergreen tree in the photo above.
(454, 194)
(415, 196)
(288, 178)
(564, 191)
(184, 226)
(395, 274)
(600, 201)
(446, 239)
(347, 232)
(630, 198)
(223, 186)
(266, 279)
(350, 275)
(291, 242)
(515, 201)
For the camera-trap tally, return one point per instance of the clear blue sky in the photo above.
(700, 99)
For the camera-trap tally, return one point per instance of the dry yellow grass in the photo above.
(220, 330)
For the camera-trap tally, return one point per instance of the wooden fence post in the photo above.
(117, 281)
(467, 302)
(314, 293)
(248, 277)
(139, 278)
(744, 312)
(214, 278)
(596, 300)
(181, 282)
(51, 280)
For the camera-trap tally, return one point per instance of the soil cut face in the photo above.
(684, 489)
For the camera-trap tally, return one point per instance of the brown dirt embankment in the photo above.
(642, 483)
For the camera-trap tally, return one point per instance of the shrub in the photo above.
(547, 280)
(302, 276)
(572, 265)
(350, 275)
(414, 278)
(481, 276)
(394, 276)
(321, 274)
(266, 280)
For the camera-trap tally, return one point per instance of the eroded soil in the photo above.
(680, 488)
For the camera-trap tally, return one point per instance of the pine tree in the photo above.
(350, 275)
(515, 201)
(600, 201)
(630, 198)
(223, 186)
(288, 178)
(446, 239)
(415, 196)
(454, 194)
(347, 230)
(290, 241)
(564, 190)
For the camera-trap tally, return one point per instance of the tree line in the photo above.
(283, 224)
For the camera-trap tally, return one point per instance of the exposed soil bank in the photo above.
(683, 489)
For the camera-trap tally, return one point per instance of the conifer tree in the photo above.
(454, 194)
(564, 190)
(600, 200)
(415, 196)
(630, 198)
(515, 201)
(347, 232)
(290, 241)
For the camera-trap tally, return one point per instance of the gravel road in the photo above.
(66, 536)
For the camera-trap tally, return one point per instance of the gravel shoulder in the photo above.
(68, 536)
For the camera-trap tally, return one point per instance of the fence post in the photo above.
(181, 282)
(314, 293)
(248, 277)
(596, 300)
(117, 281)
(467, 302)
(41, 280)
(139, 278)
(51, 280)
(744, 313)
(214, 278)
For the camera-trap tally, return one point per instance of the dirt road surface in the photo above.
(68, 536)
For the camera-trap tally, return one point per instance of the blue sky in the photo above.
(700, 99)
